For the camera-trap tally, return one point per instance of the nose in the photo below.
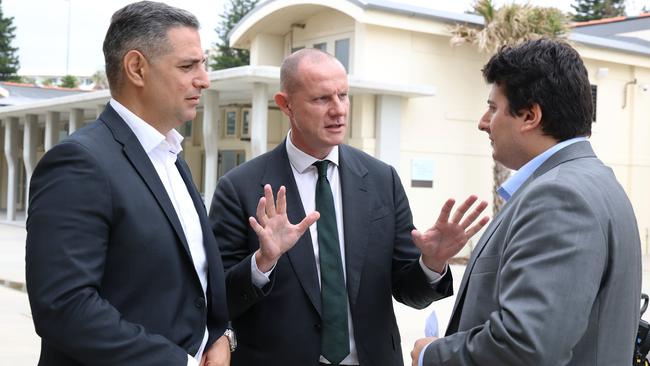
(338, 107)
(202, 81)
(484, 123)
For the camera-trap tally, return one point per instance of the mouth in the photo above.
(194, 99)
(335, 126)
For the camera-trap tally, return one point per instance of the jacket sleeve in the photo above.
(410, 284)
(68, 232)
(229, 222)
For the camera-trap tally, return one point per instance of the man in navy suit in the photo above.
(277, 304)
(122, 268)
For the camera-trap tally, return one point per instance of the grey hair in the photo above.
(141, 26)
(289, 69)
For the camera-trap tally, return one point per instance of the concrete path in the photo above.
(19, 344)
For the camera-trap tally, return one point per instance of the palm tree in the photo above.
(509, 25)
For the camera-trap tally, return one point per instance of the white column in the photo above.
(76, 119)
(29, 151)
(388, 123)
(51, 129)
(210, 143)
(11, 153)
(259, 119)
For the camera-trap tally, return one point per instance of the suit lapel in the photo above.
(574, 151)
(356, 215)
(301, 256)
(142, 164)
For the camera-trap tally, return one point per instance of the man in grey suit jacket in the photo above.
(275, 300)
(556, 277)
(122, 267)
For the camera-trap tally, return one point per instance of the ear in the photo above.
(282, 101)
(532, 118)
(135, 67)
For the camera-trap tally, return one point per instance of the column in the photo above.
(51, 129)
(29, 151)
(99, 109)
(388, 123)
(259, 119)
(76, 119)
(210, 143)
(11, 153)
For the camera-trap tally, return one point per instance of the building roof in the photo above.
(632, 33)
(19, 93)
(633, 30)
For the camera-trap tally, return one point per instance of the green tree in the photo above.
(224, 56)
(597, 9)
(509, 25)
(69, 81)
(9, 63)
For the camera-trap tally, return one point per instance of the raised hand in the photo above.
(446, 238)
(274, 231)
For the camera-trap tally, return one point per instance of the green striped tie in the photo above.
(335, 344)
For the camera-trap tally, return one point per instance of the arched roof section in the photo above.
(277, 16)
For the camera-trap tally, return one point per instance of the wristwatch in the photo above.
(232, 340)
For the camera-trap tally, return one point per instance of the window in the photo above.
(229, 159)
(321, 46)
(594, 94)
(342, 52)
(245, 123)
(231, 122)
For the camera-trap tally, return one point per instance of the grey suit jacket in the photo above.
(556, 277)
(280, 324)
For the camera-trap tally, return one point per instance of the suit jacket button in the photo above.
(317, 326)
(199, 302)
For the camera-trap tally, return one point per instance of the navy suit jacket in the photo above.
(280, 324)
(109, 273)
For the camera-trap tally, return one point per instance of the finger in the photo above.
(261, 211)
(478, 226)
(473, 215)
(282, 201)
(257, 228)
(270, 203)
(308, 221)
(462, 209)
(446, 210)
(416, 235)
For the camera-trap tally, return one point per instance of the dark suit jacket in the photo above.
(280, 324)
(556, 277)
(109, 273)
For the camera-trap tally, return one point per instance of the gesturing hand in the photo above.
(446, 238)
(274, 231)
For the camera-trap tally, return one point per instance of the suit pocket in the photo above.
(486, 264)
(379, 213)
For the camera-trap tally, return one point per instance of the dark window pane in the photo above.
(342, 51)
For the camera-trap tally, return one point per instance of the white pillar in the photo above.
(76, 119)
(388, 123)
(11, 153)
(51, 129)
(29, 151)
(259, 119)
(210, 142)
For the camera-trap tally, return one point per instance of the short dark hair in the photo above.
(141, 26)
(550, 73)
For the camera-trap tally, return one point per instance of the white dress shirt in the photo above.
(162, 150)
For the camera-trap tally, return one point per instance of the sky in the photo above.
(45, 48)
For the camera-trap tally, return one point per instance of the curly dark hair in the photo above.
(550, 73)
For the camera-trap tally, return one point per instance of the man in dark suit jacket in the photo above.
(556, 277)
(275, 300)
(122, 268)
